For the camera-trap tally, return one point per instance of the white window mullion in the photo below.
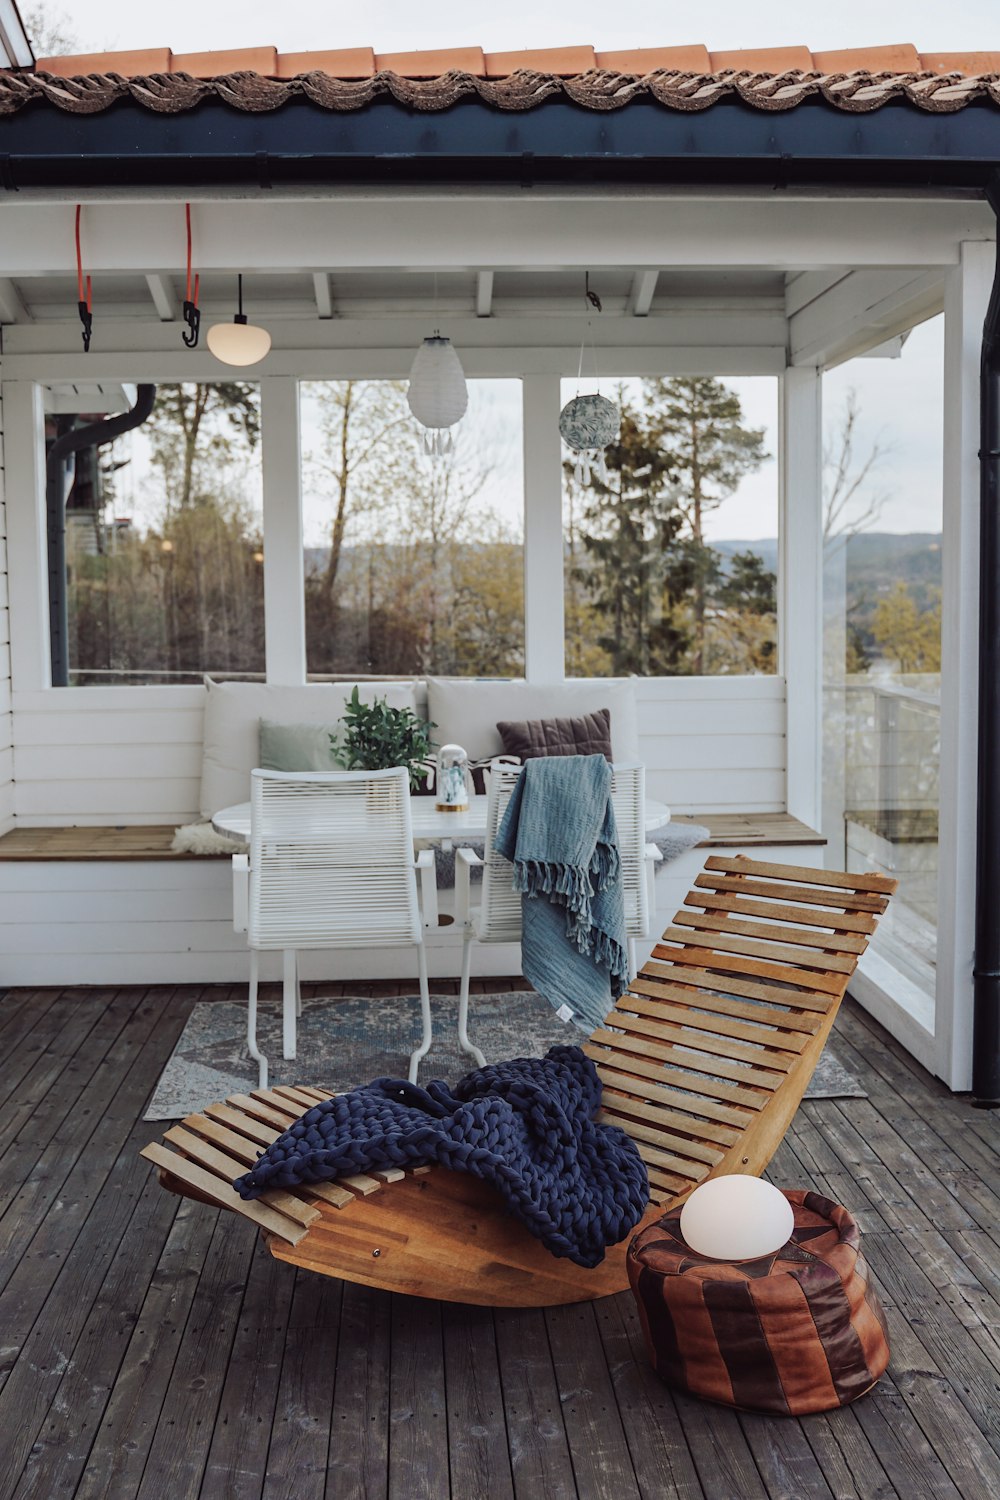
(544, 619)
(800, 591)
(284, 581)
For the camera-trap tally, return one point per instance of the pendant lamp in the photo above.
(437, 394)
(238, 342)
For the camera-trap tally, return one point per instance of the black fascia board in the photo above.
(301, 144)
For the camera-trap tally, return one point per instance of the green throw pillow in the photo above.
(299, 747)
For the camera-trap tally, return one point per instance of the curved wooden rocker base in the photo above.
(704, 1062)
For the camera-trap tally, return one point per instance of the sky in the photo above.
(399, 25)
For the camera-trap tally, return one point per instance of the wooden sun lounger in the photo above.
(704, 1062)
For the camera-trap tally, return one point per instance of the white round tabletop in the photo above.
(428, 823)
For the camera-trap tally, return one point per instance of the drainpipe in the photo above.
(986, 968)
(55, 505)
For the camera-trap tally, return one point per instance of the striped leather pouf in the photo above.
(794, 1332)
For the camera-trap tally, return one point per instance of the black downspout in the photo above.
(986, 968)
(55, 505)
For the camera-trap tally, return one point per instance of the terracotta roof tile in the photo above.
(350, 62)
(563, 62)
(238, 60)
(969, 63)
(433, 64)
(643, 60)
(129, 64)
(901, 58)
(763, 59)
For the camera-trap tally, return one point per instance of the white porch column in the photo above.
(544, 625)
(967, 290)
(27, 544)
(800, 586)
(284, 584)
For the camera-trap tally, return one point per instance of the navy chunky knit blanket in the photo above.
(526, 1127)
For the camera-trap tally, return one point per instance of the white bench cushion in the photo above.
(233, 711)
(466, 711)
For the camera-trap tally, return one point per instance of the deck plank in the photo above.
(151, 1346)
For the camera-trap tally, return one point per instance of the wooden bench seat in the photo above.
(152, 841)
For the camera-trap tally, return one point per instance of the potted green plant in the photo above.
(377, 737)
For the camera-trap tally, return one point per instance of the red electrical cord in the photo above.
(192, 315)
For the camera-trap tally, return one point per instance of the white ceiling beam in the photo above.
(12, 308)
(323, 294)
(640, 298)
(806, 286)
(862, 311)
(466, 231)
(484, 294)
(168, 308)
(891, 349)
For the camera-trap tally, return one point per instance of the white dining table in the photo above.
(429, 824)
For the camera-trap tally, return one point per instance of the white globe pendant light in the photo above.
(735, 1217)
(239, 342)
(437, 394)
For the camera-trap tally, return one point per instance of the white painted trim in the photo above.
(967, 290)
(12, 308)
(800, 585)
(284, 596)
(898, 1005)
(544, 618)
(484, 294)
(640, 298)
(861, 311)
(165, 300)
(24, 462)
(322, 294)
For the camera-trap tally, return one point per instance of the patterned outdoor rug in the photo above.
(350, 1041)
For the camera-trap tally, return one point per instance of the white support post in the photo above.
(967, 291)
(544, 622)
(27, 547)
(800, 578)
(284, 582)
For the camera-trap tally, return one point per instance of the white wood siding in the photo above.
(6, 718)
(133, 754)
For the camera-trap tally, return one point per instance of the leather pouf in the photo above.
(794, 1332)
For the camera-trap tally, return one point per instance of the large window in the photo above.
(671, 546)
(413, 563)
(882, 639)
(158, 576)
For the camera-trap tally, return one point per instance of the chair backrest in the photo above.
(331, 860)
(500, 911)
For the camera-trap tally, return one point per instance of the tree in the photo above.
(51, 31)
(697, 421)
(196, 431)
(910, 636)
(848, 506)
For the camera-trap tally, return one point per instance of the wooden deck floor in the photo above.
(151, 1348)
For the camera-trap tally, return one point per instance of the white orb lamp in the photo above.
(437, 394)
(239, 342)
(735, 1217)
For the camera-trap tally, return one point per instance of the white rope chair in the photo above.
(497, 919)
(330, 865)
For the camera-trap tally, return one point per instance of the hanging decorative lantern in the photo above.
(588, 424)
(437, 394)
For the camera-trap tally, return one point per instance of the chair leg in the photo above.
(425, 1012)
(463, 1006)
(289, 1001)
(255, 1052)
(633, 967)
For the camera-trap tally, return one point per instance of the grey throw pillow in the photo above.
(299, 747)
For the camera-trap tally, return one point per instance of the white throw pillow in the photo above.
(466, 711)
(233, 711)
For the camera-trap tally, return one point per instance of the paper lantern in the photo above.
(588, 424)
(437, 394)
(238, 342)
(736, 1218)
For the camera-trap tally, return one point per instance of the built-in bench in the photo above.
(153, 841)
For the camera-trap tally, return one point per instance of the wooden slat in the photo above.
(259, 1110)
(773, 890)
(806, 1022)
(718, 984)
(663, 1186)
(803, 874)
(772, 933)
(776, 1064)
(711, 1084)
(228, 1167)
(224, 1194)
(278, 1102)
(776, 911)
(733, 963)
(687, 1120)
(645, 1079)
(239, 1120)
(801, 958)
(360, 1183)
(298, 1098)
(718, 1025)
(664, 1041)
(642, 1129)
(683, 1166)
